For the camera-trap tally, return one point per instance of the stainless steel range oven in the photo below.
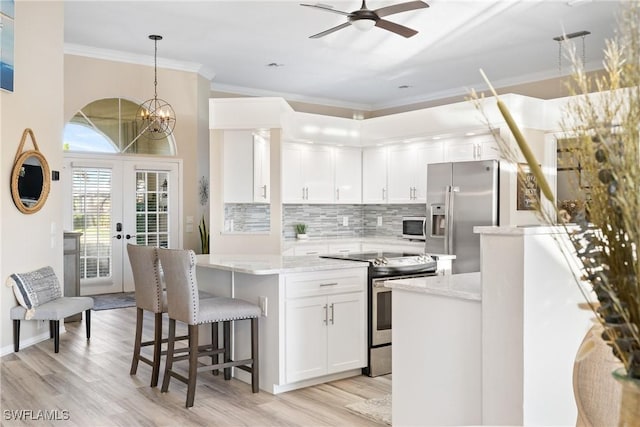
(385, 266)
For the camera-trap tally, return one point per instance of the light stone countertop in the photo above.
(462, 286)
(260, 264)
(289, 243)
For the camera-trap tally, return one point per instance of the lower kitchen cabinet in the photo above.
(325, 330)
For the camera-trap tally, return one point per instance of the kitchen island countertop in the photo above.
(260, 264)
(463, 286)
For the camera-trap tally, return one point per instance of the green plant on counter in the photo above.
(204, 236)
(301, 228)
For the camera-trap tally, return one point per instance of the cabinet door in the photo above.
(317, 171)
(402, 167)
(238, 166)
(346, 332)
(292, 181)
(460, 151)
(432, 152)
(261, 170)
(488, 150)
(305, 338)
(374, 175)
(348, 167)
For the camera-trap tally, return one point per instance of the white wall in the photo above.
(32, 241)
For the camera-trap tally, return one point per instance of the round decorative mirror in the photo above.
(30, 179)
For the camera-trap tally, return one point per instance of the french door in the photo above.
(114, 201)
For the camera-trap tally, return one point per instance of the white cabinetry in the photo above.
(374, 175)
(348, 175)
(246, 167)
(325, 330)
(261, 169)
(307, 174)
(468, 150)
(408, 171)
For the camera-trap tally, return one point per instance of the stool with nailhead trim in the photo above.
(184, 305)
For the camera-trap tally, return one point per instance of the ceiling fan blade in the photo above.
(396, 28)
(400, 7)
(325, 8)
(330, 30)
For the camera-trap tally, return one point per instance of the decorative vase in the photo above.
(302, 236)
(630, 402)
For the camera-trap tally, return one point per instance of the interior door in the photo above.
(114, 201)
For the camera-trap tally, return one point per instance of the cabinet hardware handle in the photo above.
(383, 194)
(332, 314)
(329, 284)
(326, 315)
(312, 253)
(264, 191)
(302, 193)
(337, 194)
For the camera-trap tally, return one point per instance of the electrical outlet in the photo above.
(263, 306)
(345, 221)
(379, 221)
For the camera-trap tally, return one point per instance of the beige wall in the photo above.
(88, 79)
(36, 103)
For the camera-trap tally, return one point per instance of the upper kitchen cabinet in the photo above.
(246, 166)
(307, 173)
(374, 175)
(478, 148)
(348, 175)
(407, 176)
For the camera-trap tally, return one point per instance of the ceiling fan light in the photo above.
(364, 24)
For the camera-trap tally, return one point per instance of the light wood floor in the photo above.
(92, 382)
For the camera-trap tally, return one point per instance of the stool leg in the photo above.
(50, 328)
(87, 321)
(226, 328)
(255, 365)
(193, 364)
(137, 342)
(215, 345)
(157, 349)
(171, 341)
(56, 336)
(16, 335)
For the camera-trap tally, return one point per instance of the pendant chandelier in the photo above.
(155, 117)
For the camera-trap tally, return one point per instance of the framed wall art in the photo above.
(7, 32)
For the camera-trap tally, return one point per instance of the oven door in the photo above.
(380, 313)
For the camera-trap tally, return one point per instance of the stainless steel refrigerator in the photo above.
(460, 196)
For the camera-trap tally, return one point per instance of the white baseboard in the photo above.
(8, 349)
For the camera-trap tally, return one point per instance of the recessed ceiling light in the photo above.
(274, 65)
(435, 138)
(469, 134)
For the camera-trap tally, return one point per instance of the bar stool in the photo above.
(150, 296)
(184, 305)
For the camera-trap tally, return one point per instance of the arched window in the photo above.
(109, 126)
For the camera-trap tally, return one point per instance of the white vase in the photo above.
(302, 236)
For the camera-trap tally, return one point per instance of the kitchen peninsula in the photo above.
(313, 328)
(437, 350)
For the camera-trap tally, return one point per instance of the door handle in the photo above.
(128, 236)
(332, 314)
(118, 227)
(117, 236)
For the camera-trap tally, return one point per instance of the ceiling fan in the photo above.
(364, 19)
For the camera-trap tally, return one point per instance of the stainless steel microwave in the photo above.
(413, 227)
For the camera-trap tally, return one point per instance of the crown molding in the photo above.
(132, 58)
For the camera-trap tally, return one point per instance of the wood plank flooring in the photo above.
(89, 385)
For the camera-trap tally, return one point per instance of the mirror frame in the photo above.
(46, 181)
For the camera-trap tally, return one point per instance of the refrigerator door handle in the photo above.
(449, 223)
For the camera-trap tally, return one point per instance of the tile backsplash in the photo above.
(362, 220)
(323, 220)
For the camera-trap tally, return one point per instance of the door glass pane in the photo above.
(152, 198)
(91, 194)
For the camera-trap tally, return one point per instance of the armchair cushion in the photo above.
(35, 288)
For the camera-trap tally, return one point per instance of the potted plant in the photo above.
(301, 231)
